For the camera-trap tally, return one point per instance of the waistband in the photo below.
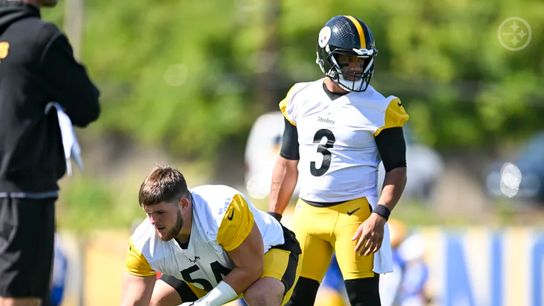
(30, 195)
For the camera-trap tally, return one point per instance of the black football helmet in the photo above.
(350, 36)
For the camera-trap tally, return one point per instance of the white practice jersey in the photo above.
(222, 220)
(339, 157)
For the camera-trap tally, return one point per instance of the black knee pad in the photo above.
(304, 292)
(364, 291)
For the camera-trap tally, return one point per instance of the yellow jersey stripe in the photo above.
(236, 224)
(136, 263)
(395, 116)
(284, 104)
(283, 110)
(360, 31)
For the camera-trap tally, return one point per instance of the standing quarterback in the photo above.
(337, 130)
(211, 246)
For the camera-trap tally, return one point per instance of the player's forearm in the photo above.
(218, 296)
(284, 181)
(130, 302)
(240, 278)
(235, 283)
(137, 291)
(393, 186)
(248, 261)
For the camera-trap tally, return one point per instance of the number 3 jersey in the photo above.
(339, 157)
(222, 220)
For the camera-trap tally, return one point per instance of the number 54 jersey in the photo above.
(339, 157)
(222, 220)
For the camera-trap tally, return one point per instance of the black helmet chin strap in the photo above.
(334, 72)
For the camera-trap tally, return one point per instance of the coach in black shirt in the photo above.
(37, 66)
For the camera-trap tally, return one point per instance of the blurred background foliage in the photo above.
(189, 78)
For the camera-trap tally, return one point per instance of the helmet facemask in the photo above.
(344, 75)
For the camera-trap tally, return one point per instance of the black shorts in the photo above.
(27, 229)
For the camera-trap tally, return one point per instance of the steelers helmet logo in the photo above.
(4, 49)
(514, 33)
(324, 36)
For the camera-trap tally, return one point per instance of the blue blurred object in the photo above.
(60, 266)
(522, 179)
(333, 278)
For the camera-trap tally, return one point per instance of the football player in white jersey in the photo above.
(211, 246)
(337, 130)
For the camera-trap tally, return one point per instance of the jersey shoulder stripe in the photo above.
(213, 204)
(136, 263)
(236, 225)
(395, 115)
(287, 105)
